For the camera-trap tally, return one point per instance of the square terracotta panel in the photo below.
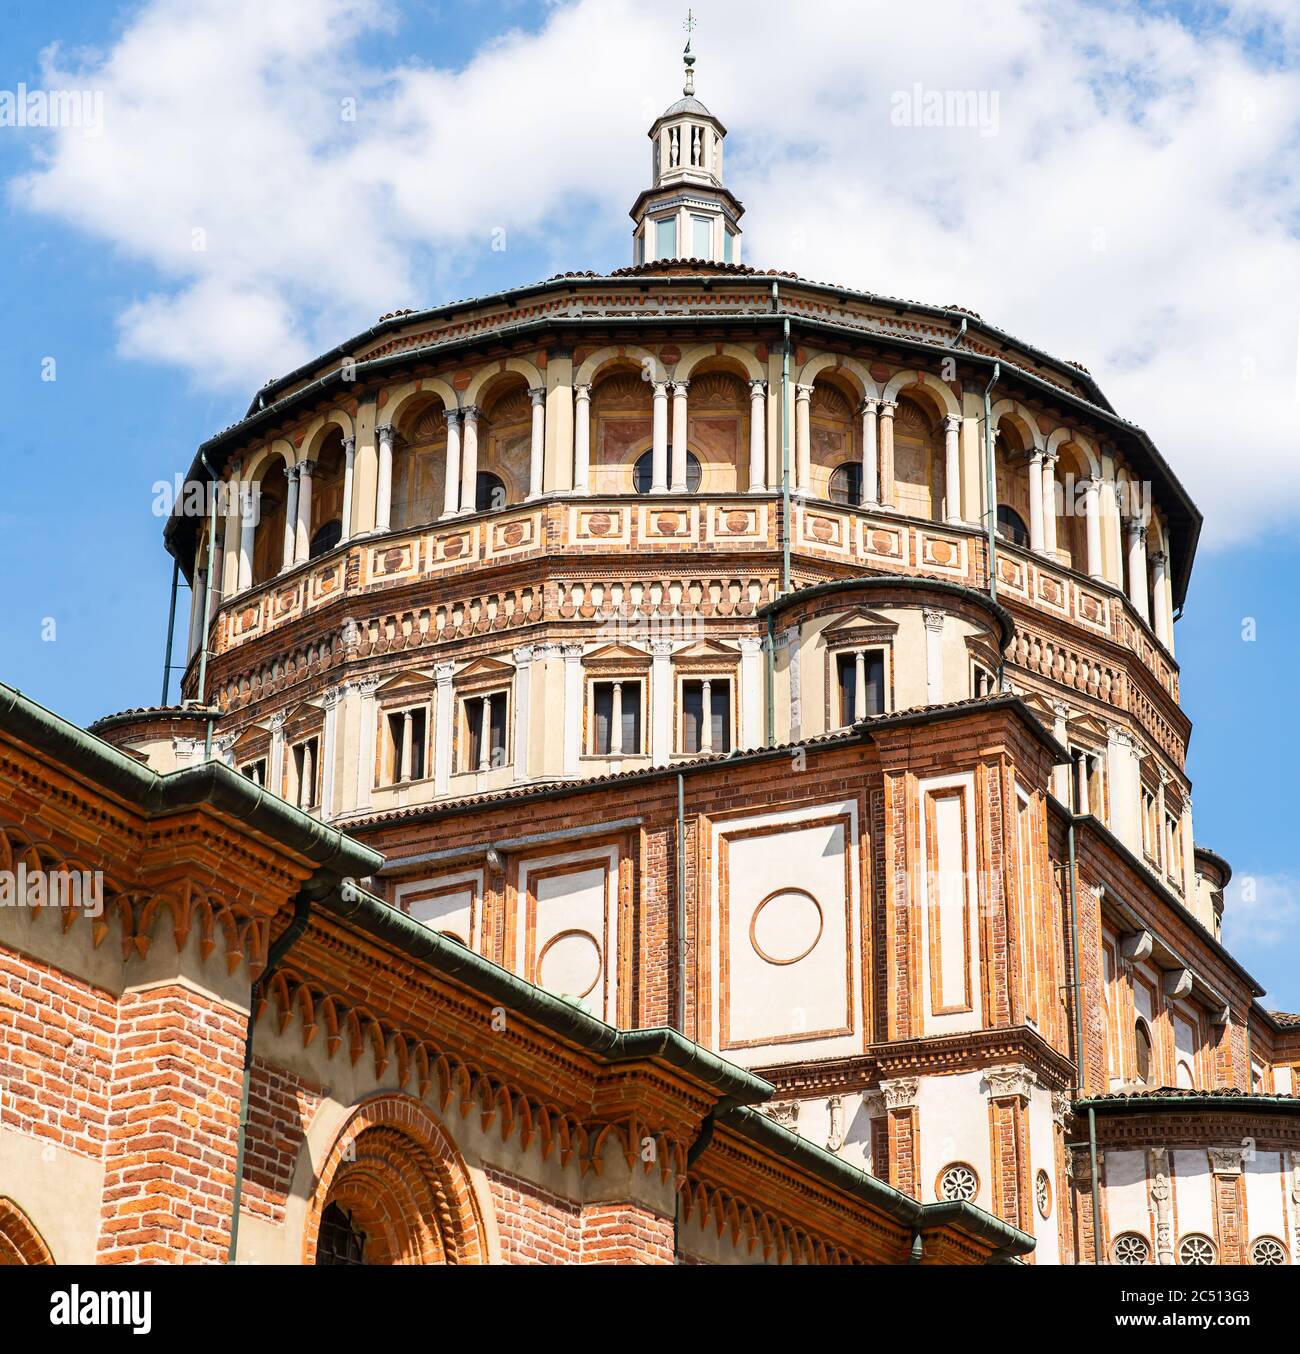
(942, 552)
(885, 542)
(1012, 573)
(667, 524)
(737, 522)
(599, 525)
(392, 560)
(1052, 591)
(515, 534)
(1091, 609)
(452, 547)
(824, 529)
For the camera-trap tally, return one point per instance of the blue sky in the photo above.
(1135, 208)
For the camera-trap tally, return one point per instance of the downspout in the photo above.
(207, 606)
(1075, 988)
(284, 942)
(991, 496)
(681, 903)
(771, 680)
(785, 457)
(171, 630)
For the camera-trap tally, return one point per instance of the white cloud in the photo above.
(1136, 209)
(1261, 915)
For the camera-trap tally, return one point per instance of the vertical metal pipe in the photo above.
(785, 458)
(171, 630)
(207, 602)
(681, 902)
(1096, 1196)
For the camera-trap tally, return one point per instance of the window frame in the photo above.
(311, 737)
(466, 732)
(714, 677)
(850, 650)
(387, 768)
(597, 678)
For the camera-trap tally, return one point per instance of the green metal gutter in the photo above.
(334, 854)
(1250, 1103)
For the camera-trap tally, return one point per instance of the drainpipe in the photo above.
(1076, 987)
(785, 459)
(284, 942)
(681, 902)
(1096, 1204)
(771, 680)
(171, 630)
(207, 605)
(991, 495)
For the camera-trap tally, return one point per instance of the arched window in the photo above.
(1142, 1043)
(326, 538)
(846, 483)
(489, 492)
(643, 472)
(340, 1242)
(1186, 1078)
(1012, 526)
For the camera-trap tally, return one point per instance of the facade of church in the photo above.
(681, 765)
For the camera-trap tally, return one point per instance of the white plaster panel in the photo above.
(1265, 1199)
(449, 903)
(1042, 1157)
(1193, 1192)
(785, 934)
(953, 1114)
(1126, 1194)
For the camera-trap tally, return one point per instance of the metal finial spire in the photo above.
(688, 57)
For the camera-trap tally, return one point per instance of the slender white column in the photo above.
(366, 741)
(443, 712)
(1137, 568)
(859, 685)
(679, 436)
(451, 478)
(536, 453)
(275, 767)
(349, 467)
(1049, 503)
(751, 691)
(952, 468)
(404, 766)
(616, 722)
(1081, 780)
(887, 494)
(333, 698)
(290, 518)
(659, 449)
(661, 701)
(302, 533)
(870, 455)
(523, 708)
(802, 439)
(469, 461)
(706, 716)
(196, 605)
(384, 482)
(757, 436)
(1035, 459)
(1160, 616)
(485, 734)
(933, 655)
(572, 707)
(581, 439)
(307, 785)
(1092, 520)
(249, 505)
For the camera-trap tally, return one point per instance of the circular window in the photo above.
(846, 483)
(958, 1182)
(1043, 1194)
(1267, 1250)
(1131, 1249)
(643, 472)
(1196, 1250)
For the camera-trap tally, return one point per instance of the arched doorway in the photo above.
(393, 1191)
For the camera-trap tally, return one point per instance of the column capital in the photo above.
(277, 724)
(443, 673)
(537, 394)
(349, 446)
(933, 618)
(1226, 1160)
(757, 389)
(523, 654)
(306, 467)
(887, 408)
(1159, 559)
(367, 686)
(868, 405)
(385, 432)
(661, 648)
(583, 391)
(751, 644)
(951, 422)
(901, 1093)
(803, 392)
(291, 472)
(1034, 455)
(1137, 533)
(660, 389)
(452, 416)
(470, 413)
(1009, 1083)
(571, 652)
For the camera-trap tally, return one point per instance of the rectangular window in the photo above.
(706, 715)
(407, 741)
(1150, 829)
(255, 771)
(485, 727)
(861, 683)
(306, 766)
(728, 246)
(666, 238)
(616, 719)
(983, 683)
(701, 237)
(1174, 848)
(1085, 782)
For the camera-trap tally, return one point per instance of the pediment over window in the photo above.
(414, 683)
(705, 650)
(252, 740)
(617, 653)
(485, 668)
(860, 627)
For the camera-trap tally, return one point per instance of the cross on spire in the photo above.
(688, 57)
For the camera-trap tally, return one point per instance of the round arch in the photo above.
(20, 1242)
(1026, 424)
(395, 1171)
(604, 357)
(905, 382)
(398, 401)
(849, 368)
(693, 357)
(532, 377)
(1067, 437)
(321, 428)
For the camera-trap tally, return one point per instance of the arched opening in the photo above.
(622, 418)
(717, 425)
(1012, 470)
(1072, 474)
(327, 495)
(846, 483)
(505, 440)
(918, 458)
(833, 437)
(20, 1242)
(643, 472)
(419, 465)
(268, 535)
(393, 1190)
(1142, 1047)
